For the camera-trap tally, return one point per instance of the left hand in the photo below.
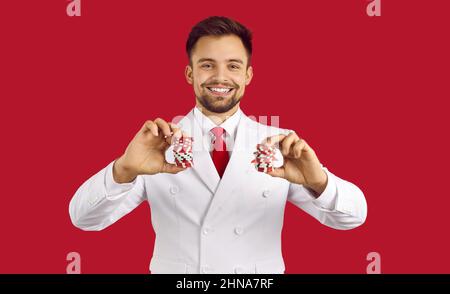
(301, 165)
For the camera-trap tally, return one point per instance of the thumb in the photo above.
(277, 172)
(172, 168)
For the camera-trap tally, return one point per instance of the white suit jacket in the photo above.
(204, 224)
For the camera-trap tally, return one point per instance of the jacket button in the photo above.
(173, 190)
(238, 270)
(205, 231)
(266, 193)
(239, 231)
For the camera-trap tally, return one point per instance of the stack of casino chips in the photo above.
(264, 157)
(182, 151)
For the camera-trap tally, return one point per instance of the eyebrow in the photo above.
(212, 60)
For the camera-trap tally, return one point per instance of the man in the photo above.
(221, 215)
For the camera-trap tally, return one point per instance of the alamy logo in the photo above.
(374, 8)
(374, 267)
(74, 8)
(74, 266)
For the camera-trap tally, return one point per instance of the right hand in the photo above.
(145, 155)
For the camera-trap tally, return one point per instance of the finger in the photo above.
(287, 143)
(151, 126)
(172, 168)
(277, 172)
(164, 127)
(177, 132)
(273, 140)
(298, 148)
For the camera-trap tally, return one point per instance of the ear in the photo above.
(188, 74)
(249, 75)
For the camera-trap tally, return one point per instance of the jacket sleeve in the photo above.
(341, 206)
(100, 201)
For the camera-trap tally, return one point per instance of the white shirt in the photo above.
(230, 125)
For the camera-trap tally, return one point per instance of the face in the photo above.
(219, 72)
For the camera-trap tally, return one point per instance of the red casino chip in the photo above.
(264, 158)
(182, 151)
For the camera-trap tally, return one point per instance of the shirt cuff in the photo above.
(327, 200)
(113, 189)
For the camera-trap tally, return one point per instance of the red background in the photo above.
(370, 95)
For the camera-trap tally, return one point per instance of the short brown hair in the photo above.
(219, 26)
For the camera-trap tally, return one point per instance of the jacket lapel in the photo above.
(203, 164)
(238, 166)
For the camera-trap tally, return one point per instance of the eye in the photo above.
(206, 66)
(235, 66)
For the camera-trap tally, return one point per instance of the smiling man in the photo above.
(222, 215)
(219, 70)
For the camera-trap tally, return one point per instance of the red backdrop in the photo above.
(370, 95)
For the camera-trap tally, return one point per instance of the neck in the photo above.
(217, 118)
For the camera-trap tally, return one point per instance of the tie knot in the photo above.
(217, 131)
(218, 140)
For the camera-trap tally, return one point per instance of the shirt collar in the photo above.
(230, 124)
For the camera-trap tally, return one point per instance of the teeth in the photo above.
(220, 90)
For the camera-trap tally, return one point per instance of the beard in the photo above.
(219, 104)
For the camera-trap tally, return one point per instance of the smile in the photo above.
(219, 91)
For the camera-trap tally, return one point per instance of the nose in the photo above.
(221, 73)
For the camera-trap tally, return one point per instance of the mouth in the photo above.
(220, 91)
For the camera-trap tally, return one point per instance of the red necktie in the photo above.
(220, 155)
